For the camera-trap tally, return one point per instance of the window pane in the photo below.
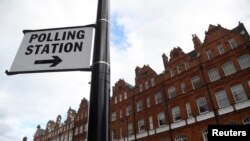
(176, 113)
(244, 61)
(228, 68)
(189, 111)
(221, 49)
(183, 87)
(161, 119)
(209, 54)
(172, 92)
(213, 74)
(246, 121)
(202, 105)
(196, 82)
(222, 100)
(141, 126)
(238, 93)
(232, 43)
(158, 98)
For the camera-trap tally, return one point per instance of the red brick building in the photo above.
(209, 85)
(74, 128)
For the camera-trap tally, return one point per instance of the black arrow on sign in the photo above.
(55, 61)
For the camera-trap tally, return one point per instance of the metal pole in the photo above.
(98, 129)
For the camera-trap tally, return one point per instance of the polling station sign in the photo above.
(57, 49)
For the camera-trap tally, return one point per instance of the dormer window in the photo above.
(232, 43)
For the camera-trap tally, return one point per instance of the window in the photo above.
(232, 43)
(204, 134)
(196, 82)
(161, 119)
(121, 136)
(76, 131)
(228, 68)
(222, 100)
(189, 111)
(114, 134)
(146, 85)
(148, 101)
(151, 124)
(172, 92)
(187, 66)
(181, 138)
(202, 105)
(81, 129)
(139, 106)
(120, 97)
(220, 49)
(176, 113)
(158, 98)
(238, 93)
(213, 74)
(113, 116)
(141, 126)
(183, 87)
(209, 54)
(130, 129)
(171, 72)
(246, 121)
(128, 110)
(115, 99)
(244, 61)
(120, 113)
(152, 82)
(141, 88)
(125, 95)
(179, 68)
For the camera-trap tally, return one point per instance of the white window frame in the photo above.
(202, 103)
(146, 85)
(187, 65)
(244, 61)
(151, 124)
(125, 95)
(113, 116)
(130, 129)
(189, 110)
(148, 102)
(139, 105)
(213, 74)
(141, 126)
(115, 99)
(152, 82)
(222, 99)
(129, 110)
(176, 113)
(172, 92)
(114, 135)
(196, 80)
(232, 43)
(120, 97)
(238, 90)
(179, 68)
(183, 87)
(141, 87)
(228, 68)
(171, 72)
(161, 119)
(220, 49)
(204, 134)
(158, 98)
(209, 54)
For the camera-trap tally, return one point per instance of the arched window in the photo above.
(181, 138)
(246, 121)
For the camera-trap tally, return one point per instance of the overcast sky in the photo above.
(141, 31)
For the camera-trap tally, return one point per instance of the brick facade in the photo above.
(209, 85)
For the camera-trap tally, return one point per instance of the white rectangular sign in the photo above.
(54, 50)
